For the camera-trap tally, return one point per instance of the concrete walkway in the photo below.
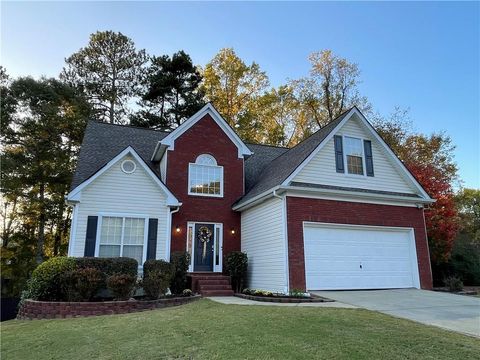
(453, 312)
(233, 300)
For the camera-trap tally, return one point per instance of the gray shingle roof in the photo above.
(281, 167)
(102, 142)
(262, 156)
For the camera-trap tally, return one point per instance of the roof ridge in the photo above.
(267, 145)
(323, 127)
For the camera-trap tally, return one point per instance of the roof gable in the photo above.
(103, 141)
(321, 169)
(75, 194)
(282, 170)
(169, 141)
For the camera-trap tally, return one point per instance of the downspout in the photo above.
(169, 231)
(285, 238)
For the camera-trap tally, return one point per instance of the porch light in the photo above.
(232, 230)
(177, 229)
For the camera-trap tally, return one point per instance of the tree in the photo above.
(441, 217)
(234, 88)
(41, 137)
(331, 88)
(171, 92)
(109, 70)
(468, 204)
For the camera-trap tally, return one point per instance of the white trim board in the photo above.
(169, 140)
(75, 194)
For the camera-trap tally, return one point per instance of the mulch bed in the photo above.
(467, 290)
(32, 309)
(284, 299)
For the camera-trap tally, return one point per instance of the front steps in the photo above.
(210, 284)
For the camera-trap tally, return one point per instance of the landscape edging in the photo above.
(33, 309)
(283, 299)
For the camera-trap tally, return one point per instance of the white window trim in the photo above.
(123, 216)
(216, 268)
(364, 163)
(221, 179)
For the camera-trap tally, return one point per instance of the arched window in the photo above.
(205, 177)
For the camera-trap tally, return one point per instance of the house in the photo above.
(337, 211)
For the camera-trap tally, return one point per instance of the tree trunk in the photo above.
(112, 112)
(41, 225)
(59, 231)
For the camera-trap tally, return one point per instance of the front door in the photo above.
(204, 247)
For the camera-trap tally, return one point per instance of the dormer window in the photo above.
(205, 177)
(354, 155)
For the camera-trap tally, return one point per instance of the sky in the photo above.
(420, 56)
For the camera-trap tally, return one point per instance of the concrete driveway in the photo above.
(453, 312)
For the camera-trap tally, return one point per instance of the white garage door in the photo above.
(359, 257)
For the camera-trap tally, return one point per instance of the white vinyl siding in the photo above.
(322, 170)
(263, 239)
(115, 192)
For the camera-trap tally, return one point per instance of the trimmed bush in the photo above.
(180, 262)
(47, 279)
(83, 284)
(109, 266)
(453, 283)
(236, 264)
(121, 285)
(157, 275)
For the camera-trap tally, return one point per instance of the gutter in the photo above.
(341, 193)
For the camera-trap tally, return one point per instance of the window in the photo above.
(354, 155)
(122, 236)
(205, 177)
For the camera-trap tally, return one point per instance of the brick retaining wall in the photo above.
(32, 309)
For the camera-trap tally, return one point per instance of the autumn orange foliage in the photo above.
(441, 217)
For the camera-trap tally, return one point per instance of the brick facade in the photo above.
(328, 211)
(205, 137)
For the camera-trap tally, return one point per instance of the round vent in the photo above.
(128, 166)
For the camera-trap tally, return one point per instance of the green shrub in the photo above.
(83, 284)
(109, 266)
(262, 293)
(157, 275)
(180, 262)
(46, 282)
(236, 264)
(121, 285)
(297, 293)
(465, 260)
(453, 283)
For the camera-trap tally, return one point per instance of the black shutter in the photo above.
(91, 237)
(339, 153)
(367, 146)
(152, 238)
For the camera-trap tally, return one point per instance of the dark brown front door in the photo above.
(204, 244)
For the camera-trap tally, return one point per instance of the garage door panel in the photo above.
(351, 257)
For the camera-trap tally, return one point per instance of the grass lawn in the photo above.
(208, 330)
